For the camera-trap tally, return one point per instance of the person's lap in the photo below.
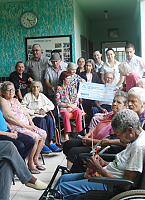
(71, 185)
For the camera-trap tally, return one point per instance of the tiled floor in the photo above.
(21, 192)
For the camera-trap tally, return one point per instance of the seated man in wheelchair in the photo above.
(128, 164)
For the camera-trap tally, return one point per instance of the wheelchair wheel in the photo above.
(129, 195)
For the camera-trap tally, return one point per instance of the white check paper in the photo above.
(95, 91)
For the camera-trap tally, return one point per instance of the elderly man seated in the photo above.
(128, 164)
(104, 106)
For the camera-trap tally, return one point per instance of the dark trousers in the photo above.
(72, 148)
(24, 143)
(78, 164)
(47, 124)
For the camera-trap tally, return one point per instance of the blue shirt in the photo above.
(3, 125)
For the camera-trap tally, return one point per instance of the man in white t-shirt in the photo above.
(137, 63)
(128, 164)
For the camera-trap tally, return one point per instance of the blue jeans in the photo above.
(72, 185)
(47, 124)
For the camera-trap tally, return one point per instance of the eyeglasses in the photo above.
(36, 50)
(9, 90)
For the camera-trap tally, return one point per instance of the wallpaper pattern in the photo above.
(55, 17)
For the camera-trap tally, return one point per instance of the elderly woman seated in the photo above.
(37, 105)
(131, 77)
(21, 121)
(72, 148)
(67, 101)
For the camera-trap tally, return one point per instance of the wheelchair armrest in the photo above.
(111, 181)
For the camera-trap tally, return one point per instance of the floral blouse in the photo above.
(68, 95)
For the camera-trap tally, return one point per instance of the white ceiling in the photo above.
(94, 9)
(117, 9)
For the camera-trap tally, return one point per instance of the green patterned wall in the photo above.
(55, 17)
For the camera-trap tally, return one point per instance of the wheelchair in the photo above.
(112, 192)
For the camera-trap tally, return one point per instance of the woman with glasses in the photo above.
(20, 121)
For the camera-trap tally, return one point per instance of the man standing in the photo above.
(99, 63)
(137, 63)
(52, 75)
(37, 65)
(20, 80)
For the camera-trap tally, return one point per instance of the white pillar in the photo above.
(142, 11)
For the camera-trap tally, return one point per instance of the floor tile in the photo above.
(52, 160)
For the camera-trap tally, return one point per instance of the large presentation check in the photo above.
(95, 91)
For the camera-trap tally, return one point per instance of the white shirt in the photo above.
(132, 158)
(107, 68)
(137, 65)
(30, 103)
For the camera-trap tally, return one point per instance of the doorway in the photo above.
(118, 47)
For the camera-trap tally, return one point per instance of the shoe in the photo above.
(53, 147)
(80, 136)
(39, 185)
(45, 149)
(40, 167)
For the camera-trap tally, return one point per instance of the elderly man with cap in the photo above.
(52, 74)
(37, 65)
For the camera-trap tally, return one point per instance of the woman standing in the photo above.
(81, 66)
(75, 78)
(67, 101)
(112, 66)
(89, 75)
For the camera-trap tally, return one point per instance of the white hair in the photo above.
(70, 66)
(125, 68)
(142, 82)
(139, 92)
(125, 118)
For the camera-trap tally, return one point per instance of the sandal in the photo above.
(40, 167)
(34, 171)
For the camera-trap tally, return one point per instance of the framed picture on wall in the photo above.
(113, 33)
(63, 44)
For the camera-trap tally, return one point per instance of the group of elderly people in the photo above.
(29, 126)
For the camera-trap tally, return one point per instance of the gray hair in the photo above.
(70, 66)
(5, 84)
(109, 73)
(34, 45)
(92, 62)
(142, 82)
(125, 118)
(36, 82)
(125, 68)
(139, 92)
(122, 94)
